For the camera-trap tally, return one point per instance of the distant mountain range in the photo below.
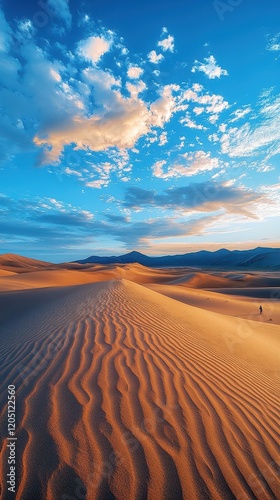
(255, 259)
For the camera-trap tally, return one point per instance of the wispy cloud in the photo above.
(274, 43)
(190, 164)
(210, 104)
(240, 113)
(262, 135)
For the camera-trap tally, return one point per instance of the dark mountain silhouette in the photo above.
(256, 259)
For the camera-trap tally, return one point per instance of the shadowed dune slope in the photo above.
(123, 393)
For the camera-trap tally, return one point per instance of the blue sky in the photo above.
(152, 126)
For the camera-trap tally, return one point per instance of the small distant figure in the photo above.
(260, 308)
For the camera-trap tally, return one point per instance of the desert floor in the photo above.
(135, 383)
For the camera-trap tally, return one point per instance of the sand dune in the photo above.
(17, 263)
(125, 393)
(225, 281)
(202, 280)
(3, 272)
(18, 273)
(50, 278)
(233, 302)
(63, 275)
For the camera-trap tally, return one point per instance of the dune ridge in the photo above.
(126, 395)
(20, 273)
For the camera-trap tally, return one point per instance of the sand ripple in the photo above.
(125, 394)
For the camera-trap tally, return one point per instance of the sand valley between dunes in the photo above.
(135, 383)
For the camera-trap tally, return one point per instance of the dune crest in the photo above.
(129, 394)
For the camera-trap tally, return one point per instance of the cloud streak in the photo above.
(48, 223)
(200, 197)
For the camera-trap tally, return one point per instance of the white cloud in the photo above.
(118, 121)
(135, 89)
(121, 128)
(134, 72)
(200, 162)
(150, 139)
(190, 95)
(197, 87)
(70, 171)
(167, 43)
(98, 184)
(272, 194)
(210, 68)
(154, 57)
(213, 138)
(240, 113)
(103, 81)
(93, 48)
(198, 110)
(213, 118)
(212, 104)
(101, 175)
(158, 170)
(56, 76)
(163, 139)
(188, 122)
(164, 107)
(274, 43)
(192, 164)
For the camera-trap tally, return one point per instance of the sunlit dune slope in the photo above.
(58, 275)
(225, 280)
(17, 263)
(18, 273)
(124, 393)
(232, 302)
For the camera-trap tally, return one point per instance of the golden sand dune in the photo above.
(17, 263)
(201, 280)
(19, 273)
(3, 272)
(220, 279)
(123, 393)
(51, 278)
(64, 275)
(232, 302)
